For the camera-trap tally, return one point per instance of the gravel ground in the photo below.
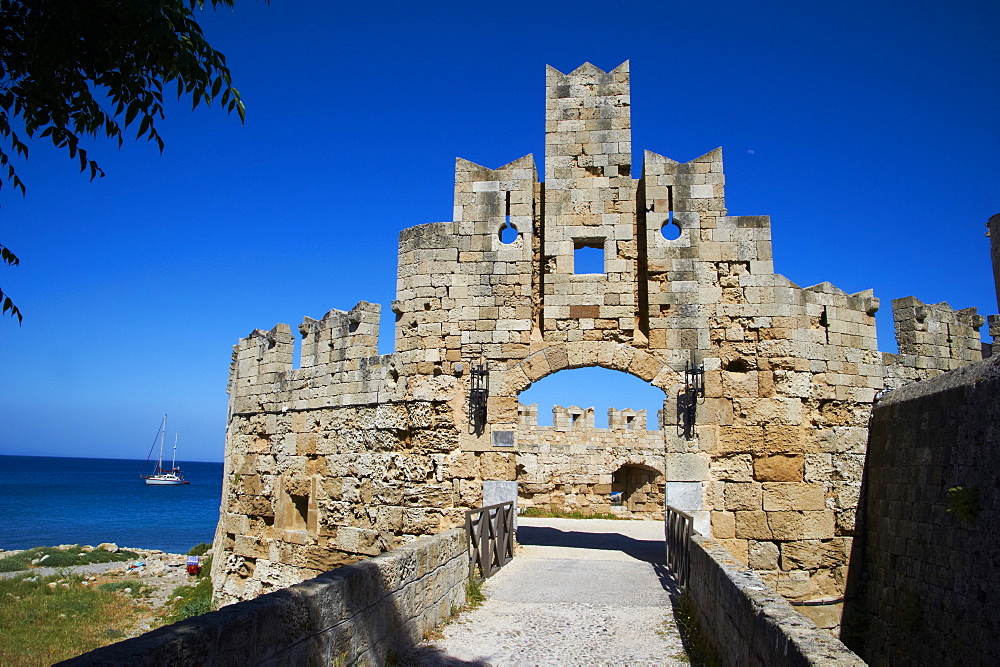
(93, 568)
(578, 592)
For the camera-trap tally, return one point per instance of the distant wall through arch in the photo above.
(573, 466)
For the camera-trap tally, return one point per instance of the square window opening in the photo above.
(588, 256)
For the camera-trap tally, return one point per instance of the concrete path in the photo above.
(578, 592)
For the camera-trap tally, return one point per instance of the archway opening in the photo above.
(600, 389)
(589, 442)
(638, 489)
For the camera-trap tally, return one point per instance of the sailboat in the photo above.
(163, 476)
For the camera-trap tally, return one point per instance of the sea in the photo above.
(47, 501)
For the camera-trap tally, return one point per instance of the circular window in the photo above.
(508, 233)
(670, 230)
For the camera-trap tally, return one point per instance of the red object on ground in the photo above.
(193, 569)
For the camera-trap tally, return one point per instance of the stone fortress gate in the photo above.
(352, 453)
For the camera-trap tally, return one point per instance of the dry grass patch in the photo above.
(47, 619)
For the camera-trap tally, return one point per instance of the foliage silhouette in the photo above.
(72, 70)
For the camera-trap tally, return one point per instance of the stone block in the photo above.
(737, 548)
(752, 525)
(815, 554)
(743, 496)
(358, 540)
(825, 616)
(783, 496)
(685, 496)
(702, 520)
(733, 468)
(790, 526)
(778, 468)
(723, 525)
(762, 555)
(687, 467)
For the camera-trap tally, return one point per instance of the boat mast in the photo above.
(173, 461)
(163, 434)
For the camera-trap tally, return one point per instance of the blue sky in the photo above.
(866, 130)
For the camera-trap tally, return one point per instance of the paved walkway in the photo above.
(578, 592)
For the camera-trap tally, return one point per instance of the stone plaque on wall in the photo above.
(503, 438)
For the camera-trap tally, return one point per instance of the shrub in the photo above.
(194, 600)
(199, 549)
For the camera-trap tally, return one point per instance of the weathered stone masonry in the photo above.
(353, 453)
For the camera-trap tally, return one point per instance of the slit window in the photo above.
(670, 230)
(508, 232)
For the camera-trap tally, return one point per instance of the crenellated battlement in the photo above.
(260, 357)
(574, 417)
(340, 336)
(932, 339)
(339, 364)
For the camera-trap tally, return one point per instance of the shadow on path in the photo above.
(649, 551)
(431, 656)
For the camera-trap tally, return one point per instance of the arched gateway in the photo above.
(352, 453)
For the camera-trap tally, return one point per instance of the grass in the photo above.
(473, 599)
(47, 619)
(699, 649)
(474, 593)
(542, 512)
(194, 600)
(133, 588)
(56, 557)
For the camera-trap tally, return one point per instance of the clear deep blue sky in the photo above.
(867, 130)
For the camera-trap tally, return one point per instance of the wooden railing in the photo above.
(490, 532)
(677, 528)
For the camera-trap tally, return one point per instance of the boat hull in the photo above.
(165, 480)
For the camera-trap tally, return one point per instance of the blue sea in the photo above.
(45, 501)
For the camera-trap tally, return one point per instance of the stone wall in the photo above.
(368, 613)
(746, 622)
(932, 338)
(572, 466)
(351, 453)
(923, 575)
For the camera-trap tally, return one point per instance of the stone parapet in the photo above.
(369, 613)
(747, 622)
(933, 338)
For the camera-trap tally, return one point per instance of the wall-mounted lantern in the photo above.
(687, 398)
(479, 391)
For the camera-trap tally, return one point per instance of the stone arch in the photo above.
(643, 364)
(639, 488)
(653, 464)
